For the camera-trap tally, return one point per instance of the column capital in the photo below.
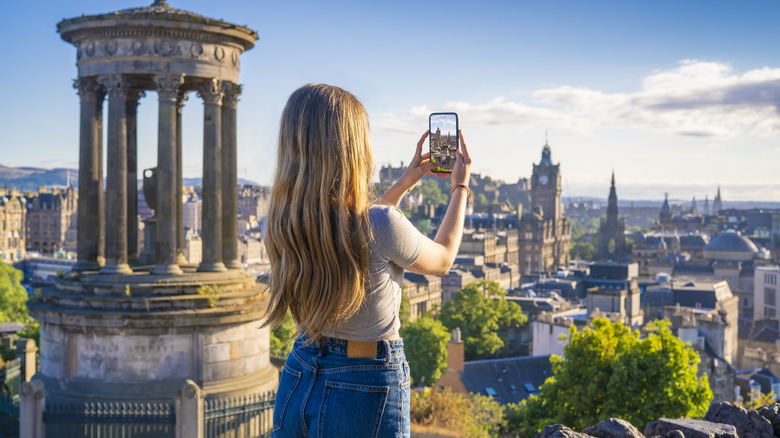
(115, 84)
(134, 95)
(211, 92)
(168, 86)
(180, 99)
(231, 92)
(88, 89)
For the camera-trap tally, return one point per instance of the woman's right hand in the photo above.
(461, 172)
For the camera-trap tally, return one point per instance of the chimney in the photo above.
(455, 351)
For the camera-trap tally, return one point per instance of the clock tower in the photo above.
(544, 233)
(546, 186)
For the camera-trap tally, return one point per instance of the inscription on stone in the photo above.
(123, 358)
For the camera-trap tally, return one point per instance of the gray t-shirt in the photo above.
(396, 245)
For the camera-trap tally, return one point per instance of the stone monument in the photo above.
(114, 329)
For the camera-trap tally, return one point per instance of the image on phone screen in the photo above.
(443, 140)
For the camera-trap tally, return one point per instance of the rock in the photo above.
(614, 428)
(689, 428)
(772, 414)
(673, 434)
(559, 431)
(749, 424)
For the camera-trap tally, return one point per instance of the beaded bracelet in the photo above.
(463, 186)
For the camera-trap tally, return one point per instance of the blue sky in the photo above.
(674, 96)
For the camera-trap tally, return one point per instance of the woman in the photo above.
(337, 263)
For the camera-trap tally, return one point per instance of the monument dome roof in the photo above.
(730, 245)
(158, 14)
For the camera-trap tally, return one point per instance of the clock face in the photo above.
(543, 180)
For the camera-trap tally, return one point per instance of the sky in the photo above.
(673, 96)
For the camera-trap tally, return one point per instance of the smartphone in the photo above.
(443, 140)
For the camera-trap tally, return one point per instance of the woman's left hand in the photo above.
(419, 166)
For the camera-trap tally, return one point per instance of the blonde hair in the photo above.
(317, 231)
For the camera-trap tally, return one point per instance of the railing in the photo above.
(11, 377)
(109, 420)
(238, 417)
(278, 358)
(9, 416)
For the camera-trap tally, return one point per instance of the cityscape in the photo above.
(133, 268)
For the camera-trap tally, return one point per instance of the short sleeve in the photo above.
(395, 238)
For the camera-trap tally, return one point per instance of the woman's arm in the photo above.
(437, 255)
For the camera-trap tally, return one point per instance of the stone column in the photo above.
(167, 162)
(32, 400)
(211, 92)
(132, 174)
(27, 351)
(229, 177)
(90, 175)
(179, 207)
(189, 411)
(116, 179)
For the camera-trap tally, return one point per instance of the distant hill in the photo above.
(30, 178)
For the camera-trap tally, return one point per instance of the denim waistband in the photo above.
(337, 345)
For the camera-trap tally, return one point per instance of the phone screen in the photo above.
(443, 140)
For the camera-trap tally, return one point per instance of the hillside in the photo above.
(30, 178)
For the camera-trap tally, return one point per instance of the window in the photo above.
(769, 296)
(769, 312)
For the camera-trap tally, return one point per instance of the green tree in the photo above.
(585, 251)
(608, 371)
(432, 192)
(425, 345)
(479, 310)
(282, 335)
(424, 226)
(405, 312)
(13, 297)
(480, 202)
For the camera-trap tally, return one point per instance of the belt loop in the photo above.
(388, 354)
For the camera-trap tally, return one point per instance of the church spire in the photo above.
(717, 204)
(612, 207)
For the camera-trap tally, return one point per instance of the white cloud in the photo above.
(696, 98)
(498, 111)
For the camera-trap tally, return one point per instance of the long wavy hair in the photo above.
(317, 231)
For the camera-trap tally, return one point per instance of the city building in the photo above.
(192, 215)
(424, 292)
(253, 200)
(612, 230)
(13, 217)
(766, 292)
(613, 290)
(251, 251)
(52, 220)
(193, 247)
(711, 307)
(506, 380)
(544, 234)
(717, 204)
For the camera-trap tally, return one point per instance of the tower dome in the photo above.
(730, 246)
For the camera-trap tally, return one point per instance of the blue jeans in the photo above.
(323, 393)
